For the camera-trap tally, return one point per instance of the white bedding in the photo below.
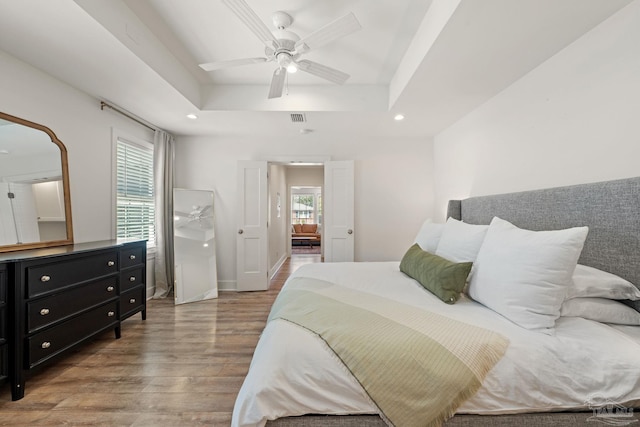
(293, 372)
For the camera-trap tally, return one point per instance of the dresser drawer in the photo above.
(130, 256)
(3, 324)
(4, 361)
(131, 302)
(131, 278)
(3, 285)
(45, 278)
(45, 311)
(46, 344)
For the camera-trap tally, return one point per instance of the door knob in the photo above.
(349, 231)
(240, 231)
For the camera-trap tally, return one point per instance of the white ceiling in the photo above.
(432, 60)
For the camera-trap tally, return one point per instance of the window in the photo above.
(135, 208)
(306, 205)
(302, 209)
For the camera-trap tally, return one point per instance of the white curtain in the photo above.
(163, 159)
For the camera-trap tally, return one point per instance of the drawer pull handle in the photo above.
(132, 257)
(132, 278)
(45, 278)
(111, 263)
(111, 313)
(110, 288)
(44, 311)
(132, 300)
(45, 344)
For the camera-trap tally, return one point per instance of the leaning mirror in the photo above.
(194, 246)
(35, 207)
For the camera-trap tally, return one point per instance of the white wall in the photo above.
(574, 119)
(85, 130)
(305, 176)
(277, 225)
(393, 187)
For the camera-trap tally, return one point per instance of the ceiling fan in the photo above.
(199, 215)
(285, 47)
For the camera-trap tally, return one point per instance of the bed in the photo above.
(586, 370)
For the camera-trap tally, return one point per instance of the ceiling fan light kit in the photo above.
(285, 47)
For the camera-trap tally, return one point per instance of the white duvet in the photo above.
(293, 372)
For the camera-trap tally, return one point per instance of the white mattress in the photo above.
(294, 373)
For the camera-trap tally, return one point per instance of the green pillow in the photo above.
(443, 278)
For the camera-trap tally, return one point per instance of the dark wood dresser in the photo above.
(57, 298)
(4, 317)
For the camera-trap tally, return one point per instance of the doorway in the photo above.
(306, 220)
(263, 239)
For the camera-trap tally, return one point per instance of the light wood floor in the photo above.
(183, 366)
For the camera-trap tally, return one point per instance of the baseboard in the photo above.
(227, 285)
(277, 266)
(232, 285)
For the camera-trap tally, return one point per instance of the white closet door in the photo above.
(7, 226)
(251, 237)
(21, 214)
(338, 233)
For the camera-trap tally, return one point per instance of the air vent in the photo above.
(298, 118)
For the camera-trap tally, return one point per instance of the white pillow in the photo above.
(601, 310)
(429, 236)
(593, 283)
(524, 275)
(460, 242)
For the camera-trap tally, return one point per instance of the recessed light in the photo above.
(4, 151)
(192, 116)
(398, 117)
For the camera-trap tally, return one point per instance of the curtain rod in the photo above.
(128, 115)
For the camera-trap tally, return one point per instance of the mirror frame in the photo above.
(65, 187)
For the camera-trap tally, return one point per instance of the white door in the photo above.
(252, 244)
(338, 199)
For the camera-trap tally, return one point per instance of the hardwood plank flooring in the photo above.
(183, 366)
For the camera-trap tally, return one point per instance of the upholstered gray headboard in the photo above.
(610, 209)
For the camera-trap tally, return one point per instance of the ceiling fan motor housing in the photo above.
(281, 20)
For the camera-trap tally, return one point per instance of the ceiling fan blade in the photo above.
(205, 209)
(323, 71)
(252, 21)
(330, 32)
(218, 65)
(277, 83)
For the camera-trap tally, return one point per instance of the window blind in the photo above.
(135, 206)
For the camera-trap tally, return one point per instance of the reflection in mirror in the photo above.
(194, 246)
(34, 197)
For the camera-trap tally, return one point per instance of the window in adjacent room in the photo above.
(135, 207)
(302, 209)
(306, 205)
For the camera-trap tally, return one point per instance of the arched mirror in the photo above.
(35, 205)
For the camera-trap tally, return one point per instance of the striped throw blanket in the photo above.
(417, 366)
